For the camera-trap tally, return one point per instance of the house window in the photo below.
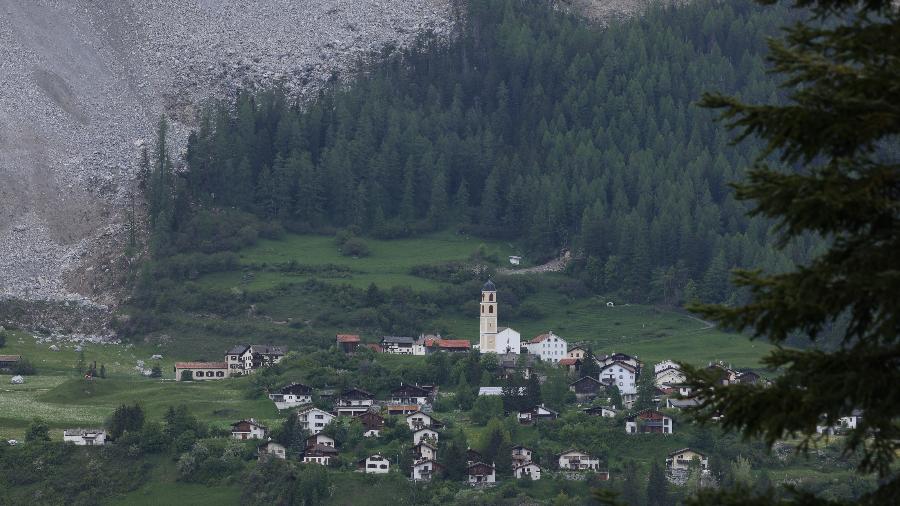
(198, 374)
(220, 374)
(209, 374)
(490, 309)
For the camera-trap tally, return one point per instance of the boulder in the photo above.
(17, 380)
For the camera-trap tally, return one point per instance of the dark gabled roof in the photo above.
(597, 409)
(356, 393)
(526, 464)
(586, 378)
(489, 286)
(573, 450)
(415, 390)
(648, 410)
(397, 340)
(483, 467)
(266, 349)
(676, 452)
(320, 451)
(237, 350)
(295, 388)
(250, 422)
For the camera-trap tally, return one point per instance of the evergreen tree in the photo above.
(589, 365)
(646, 388)
(37, 431)
(465, 397)
(438, 206)
(532, 396)
(615, 397)
(657, 493)
(630, 492)
(125, 419)
(838, 132)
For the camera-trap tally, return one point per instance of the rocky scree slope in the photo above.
(83, 82)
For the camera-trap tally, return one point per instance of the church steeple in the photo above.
(488, 327)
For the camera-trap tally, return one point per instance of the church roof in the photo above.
(489, 286)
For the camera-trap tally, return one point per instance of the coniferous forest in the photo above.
(528, 126)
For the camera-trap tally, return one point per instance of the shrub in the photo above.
(355, 247)
(24, 368)
(2, 339)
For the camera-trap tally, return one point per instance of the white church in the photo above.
(495, 339)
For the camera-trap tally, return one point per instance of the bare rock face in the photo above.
(83, 82)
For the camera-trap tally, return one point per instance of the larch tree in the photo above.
(830, 169)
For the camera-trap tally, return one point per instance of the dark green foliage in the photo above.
(657, 487)
(465, 396)
(187, 375)
(24, 368)
(487, 407)
(589, 365)
(38, 430)
(837, 135)
(646, 387)
(156, 372)
(2, 339)
(125, 419)
(630, 490)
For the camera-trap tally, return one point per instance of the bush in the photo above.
(2, 339)
(355, 247)
(24, 368)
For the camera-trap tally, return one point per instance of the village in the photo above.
(604, 386)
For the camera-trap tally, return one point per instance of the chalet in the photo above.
(747, 378)
(320, 454)
(425, 434)
(374, 464)
(419, 419)
(601, 411)
(621, 374)
(473, 456)
(481, 473)
(353, 402)
(85, 437)
(670, 374)
(291, 396)
(536, 414)
(200, 371)
(845, 423)
(410, 394)
(587, 388)
(527, 470)
(521, 455)
(372, 423)
(248, 429)
(425, 469)
(681, 403)
(9, 362)
(549, 347)
(314, 419)
(572, 365)
(425, 450)
(648, 421)
(575, 460)
(578, 352)
(320, 440)
(402, 409)
(347, 343)
(246, 358)
(511, 364)
(271, 450)
(680, 460)
(398, 345)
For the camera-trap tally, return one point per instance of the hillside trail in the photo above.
(556, 265)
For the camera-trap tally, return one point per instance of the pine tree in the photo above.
(589, 365)
(836, 130)
(646, 388)
(437, 210)
(461, 206)
(630, 492)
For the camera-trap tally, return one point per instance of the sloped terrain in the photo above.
(83, 82)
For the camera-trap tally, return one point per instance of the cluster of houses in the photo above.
(239, 360)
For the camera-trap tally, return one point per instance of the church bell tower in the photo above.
(488, 341)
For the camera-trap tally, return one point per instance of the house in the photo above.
(419, 419)
(511, 364)
(424, 434)
(587, 388)
(515, 260)
(314, 419)
(291, 396)
(605, 360)
(353, 402)
(601, 411)
(747, 378)
(320, 454)
(8, 362)
(200, 371)
(648, 421)
(425, 450)
(681, 403)
(372, 423)
(271, 450)
(573, 365)
(490, 391)
(527, 470)
(473, 456)
(680, 460)
(410, 394)
(85, 437)
(374, 464)
(549, 347)
(320, 440)
(248, 429)
(670, 374)
(536, 414)
(398, 345)
(521, 455)
(576, 460)
(425, 469)
(578, 352)
(246, 358)
(402, 409)
(726, 374)
(624, 376)
(427, 345)
(845, 423)
(481, 473)
(347, 343)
